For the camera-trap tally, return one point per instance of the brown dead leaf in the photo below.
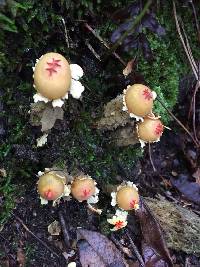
(153, 239)
(129, 67)
(49, 117)
(21, 258)
(43, 114)
(97, 250)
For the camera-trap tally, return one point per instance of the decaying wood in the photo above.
(181, 226)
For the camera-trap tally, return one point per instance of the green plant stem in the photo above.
(136, 21)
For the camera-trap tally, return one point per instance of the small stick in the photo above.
(151, 160)
(37, 238)
(64, 229)
(196, 20)
(178, 121)
(104, 43)
(66, 33)
(183, 42)
(137, 254)
(93, 51)
(121, 247)
(194, 109)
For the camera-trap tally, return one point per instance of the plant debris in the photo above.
(153, 240)
(98, 250)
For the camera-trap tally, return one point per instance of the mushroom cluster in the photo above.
(54, 78)
(52, 187)
(138, 102)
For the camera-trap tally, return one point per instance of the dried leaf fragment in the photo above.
(49, 117)
(54, 228)
(97, 248)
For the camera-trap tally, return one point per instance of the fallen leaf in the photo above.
(151, 259)
(129, 67)
(49, 117)
(190, 190)
(153, 239)
(21, 258)
(97, 250)
(54, 228)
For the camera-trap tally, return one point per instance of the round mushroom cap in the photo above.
(139, 100)
(50, 186)
(127, 197)
(150, 130)
(82, 189)
(52, 76)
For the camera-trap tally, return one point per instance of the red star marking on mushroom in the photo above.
(132, 204)
(48, 194)
(52, 66)
(86, 193)
(147, 94)
(119, 224)
(159, 129)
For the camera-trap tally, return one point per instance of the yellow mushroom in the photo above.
(52, 76)
(83, 188)
(50, 186)
(150, 130)
(127, 197)
(139, 100)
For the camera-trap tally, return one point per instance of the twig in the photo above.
(183, 42)
(37, 238)
(151, 160)
(66, 33)
(64, 229)
(123, 249)
(137, 254)
(194, 109)
(131, 29)
(188, 47)
(104, 43)
(196, 20)
(93, 51)
(178, 121)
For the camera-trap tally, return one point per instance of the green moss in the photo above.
(163, 74)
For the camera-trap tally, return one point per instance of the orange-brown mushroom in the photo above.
(50, 186)
(139, 100)
(52, 76)
(150, 130)
(83, 188)
(127, 198)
